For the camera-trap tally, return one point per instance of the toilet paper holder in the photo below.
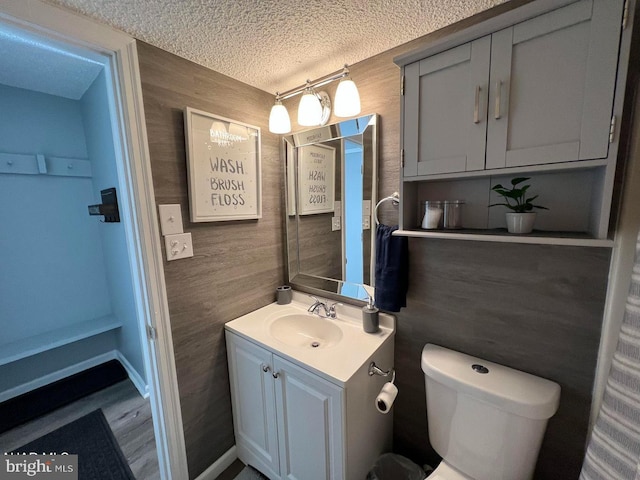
(375, 370)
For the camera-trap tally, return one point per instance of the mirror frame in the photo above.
(326, 287)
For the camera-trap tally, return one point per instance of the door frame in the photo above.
(141, 224)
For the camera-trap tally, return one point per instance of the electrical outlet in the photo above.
(366, 222)
(335, 223)
(178, 246)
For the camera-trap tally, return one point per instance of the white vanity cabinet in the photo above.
(535, 92)
(288, 421)
(304, 403)
(538, 92)
(253, 394)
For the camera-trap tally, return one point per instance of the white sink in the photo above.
(307, 331)
(335, 349)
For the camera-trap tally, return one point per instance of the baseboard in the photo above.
(134, 376)
(26, 387)
(220, 465)
(26, 407)
(58, 375)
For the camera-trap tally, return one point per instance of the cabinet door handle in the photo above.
(497, 114)
(275, 374)
(265, 368)
(476, 108)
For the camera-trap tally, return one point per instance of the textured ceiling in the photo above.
(276, 45)
(27, 61)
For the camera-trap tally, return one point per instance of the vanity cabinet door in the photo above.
(445, 110)
(254, 404)
(552, 86)
(310, 424)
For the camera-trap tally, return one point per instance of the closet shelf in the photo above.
(38, 164)
(500, 235)
(30, 346)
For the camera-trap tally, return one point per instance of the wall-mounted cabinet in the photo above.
(536, 92)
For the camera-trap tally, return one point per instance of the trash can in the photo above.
(390, 466)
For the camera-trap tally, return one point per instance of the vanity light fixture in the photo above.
(315, 107)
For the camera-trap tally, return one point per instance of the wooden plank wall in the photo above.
(236, 265)
(534, 308)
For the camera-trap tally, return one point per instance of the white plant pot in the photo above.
(520, 222)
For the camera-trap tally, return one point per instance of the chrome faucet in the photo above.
(329, 310)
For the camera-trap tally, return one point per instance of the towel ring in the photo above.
(394, 198)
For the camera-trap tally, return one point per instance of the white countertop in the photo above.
(336, 363)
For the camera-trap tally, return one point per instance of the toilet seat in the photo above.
(447, 472)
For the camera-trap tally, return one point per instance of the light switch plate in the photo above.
(337, 208)
(366, 208)
(170, 219)
(178, 246)
(335, 223)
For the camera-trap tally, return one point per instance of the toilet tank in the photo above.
(486, 420)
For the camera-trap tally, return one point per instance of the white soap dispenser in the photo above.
(370, 320)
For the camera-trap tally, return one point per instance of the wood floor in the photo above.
(128, 414)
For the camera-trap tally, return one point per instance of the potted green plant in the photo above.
(521, 217)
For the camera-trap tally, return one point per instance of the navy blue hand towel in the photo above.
(392, 269)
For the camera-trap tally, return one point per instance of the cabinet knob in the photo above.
(265, 368)
(275, 374)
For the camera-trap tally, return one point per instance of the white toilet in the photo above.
(486, 420)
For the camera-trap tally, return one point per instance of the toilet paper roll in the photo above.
(386, 397)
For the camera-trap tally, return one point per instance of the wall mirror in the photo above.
(331, 179)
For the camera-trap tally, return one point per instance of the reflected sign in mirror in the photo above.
(331, 174)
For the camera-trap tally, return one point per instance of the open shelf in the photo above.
(30, 346)
(577, 239)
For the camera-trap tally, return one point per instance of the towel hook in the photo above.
(394, 198)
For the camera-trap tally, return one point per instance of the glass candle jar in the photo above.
(433, 213)
(453, 214)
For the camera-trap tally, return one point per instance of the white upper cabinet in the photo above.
(552, 86)
(538, 92)
(446, 110)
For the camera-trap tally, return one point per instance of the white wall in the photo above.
(99, 139)
(50, 250)
(61, 267)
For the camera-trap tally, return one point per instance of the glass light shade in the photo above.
(309, 110)
(347, 101)
(279, 121)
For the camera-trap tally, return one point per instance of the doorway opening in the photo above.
(80, 291)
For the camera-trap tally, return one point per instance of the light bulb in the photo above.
(279, 121)
(309, 110)
(347, 101)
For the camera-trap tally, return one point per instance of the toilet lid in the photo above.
(447, 472)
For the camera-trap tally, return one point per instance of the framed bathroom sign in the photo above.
(316, 179)
(223, 168)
